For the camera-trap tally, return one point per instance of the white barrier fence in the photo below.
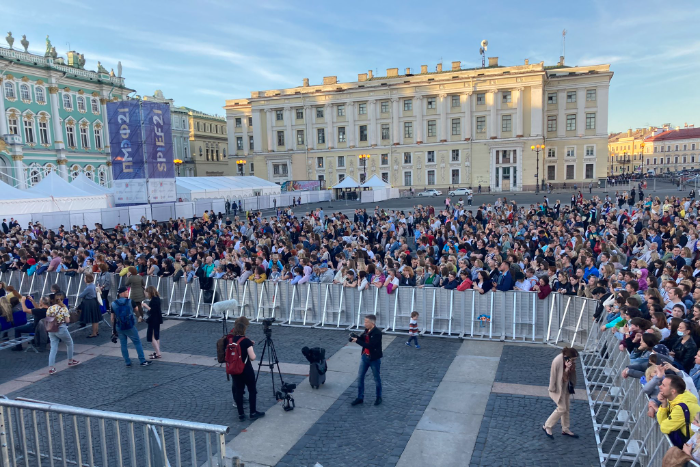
(380, 194)
(285, 199)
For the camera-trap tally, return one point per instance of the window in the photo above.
(239, 122)
(44, 132)
(506, 97)
(280, 138)
(341, 177)
(384, 159)
(570, 172)
(552, 98)
(589, 170)
(341, 161)
(321, 136)
(551, 152)
(408, 129)
(481, 124)
(197, 126)
(362, 108)
(239, 143)
(280, 169)
(67, 102)
(300, 137)
(590, 151)
(430, 157)
(319, 112)
(95, 106)
(385, 107)
(40, 94)
(13, 125)
(84, 138)
(551, 123)
(431, 103)
(385, 177)
(341, 134)
(570, 96)
(319, 162)
(407, 105)
(455, 101)
(506, 123)
(685, 147)
(455, 155)
(10, 90)
(252, 168)
(300, 116)
(24, 93)
(385, 131)
(551, 172)
(29, 131)
(432, 128)
(654, 161)
(571, 122)
(341, 111)
(279, 115)
(250, 142)
(481, 98)
(590, 96)
(590, 121)
(456, 126)
(407, 159)
(250, 121)
(81, 104)
(431, 177)
(692, 147)
(363, 132)
(98, 138)
(407, 178)
(675, 149)
(571, 152)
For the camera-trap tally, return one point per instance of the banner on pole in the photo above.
(126, 148)
(158, 145)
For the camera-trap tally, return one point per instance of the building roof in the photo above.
(681, 133)
(200, 114)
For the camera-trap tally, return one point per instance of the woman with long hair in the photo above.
(88, 306)
(59, 313)
(562, 380)
(154, 320)
(247, 377)
(135, 282)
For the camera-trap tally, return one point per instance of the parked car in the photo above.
(460, 192)
(430, 193)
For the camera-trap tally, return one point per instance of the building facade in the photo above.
(53, 117)
(180, 126)
(208, 144)
(456, 127)
(625, 150)
(673, 150)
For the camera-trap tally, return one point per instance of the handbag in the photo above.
(51, 324)
(570, 387)
(99, 296)
(675, 457)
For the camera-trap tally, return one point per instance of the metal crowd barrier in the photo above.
(36, 433)
(625, 435)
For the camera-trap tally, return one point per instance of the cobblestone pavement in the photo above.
(511, 435)
(529, 364)
(376, 436)
(199, 338)
(16, 364)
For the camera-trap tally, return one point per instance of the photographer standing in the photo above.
(247, 378)
(371, 343)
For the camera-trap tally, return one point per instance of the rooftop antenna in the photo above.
(563, 40)
(482, 51)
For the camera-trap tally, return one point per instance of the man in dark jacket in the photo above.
(371, 343)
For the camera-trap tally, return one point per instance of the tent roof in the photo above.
(375, 182)
(8, 192)
(54, 185)
(223, 183)
(84, 183)
(348, 182)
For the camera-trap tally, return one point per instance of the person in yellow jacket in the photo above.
(670, 414)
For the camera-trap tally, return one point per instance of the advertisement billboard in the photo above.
(158, 147)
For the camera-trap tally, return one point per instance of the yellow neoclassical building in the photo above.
(450, 127)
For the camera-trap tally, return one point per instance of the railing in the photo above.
(625, 435)
(35, 433)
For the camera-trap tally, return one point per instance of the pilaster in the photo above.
(395, 121)
(419, 119)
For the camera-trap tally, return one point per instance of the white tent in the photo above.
(14, 201)
(87, 185)
(193, 188)
(66, 197)
(375, 182)
(348, 182)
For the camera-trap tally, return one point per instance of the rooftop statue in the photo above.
(10, 40)
(25, 43)
(101, 69)
(119, 69)
(81, 61)
(48, 47)
(54, 54)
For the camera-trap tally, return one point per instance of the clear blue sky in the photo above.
(205, 51)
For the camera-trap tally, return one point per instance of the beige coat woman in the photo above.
(562, 372)
(137, 294)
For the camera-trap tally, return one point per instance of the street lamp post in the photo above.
(363, 158)
(537, 148)
(241, 163)
(178, 163)
(643, 174)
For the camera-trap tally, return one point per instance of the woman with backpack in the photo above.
(240, 347)
(57, 319)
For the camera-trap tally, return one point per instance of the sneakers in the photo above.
(417, 346)
(408, 344)
(256, 415)
(357, 402)
(73, 363)
(241, 418)
(146, 363)
(378, 401)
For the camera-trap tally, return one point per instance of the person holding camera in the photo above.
(371, 343)
(124, 325)
(562, 380)
(247, 377)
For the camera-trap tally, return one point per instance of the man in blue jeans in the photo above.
(371, 343)
(124, 325)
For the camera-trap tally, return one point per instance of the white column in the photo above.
(308, 137)
(270, 131)
(601, 124)
(351, 124)
(419, 119)
(536, 114)
(328, 115)
(519, 114)
(246, 140)
(467, 116)
(19, 170)
(3, 117)
(373, 122)
(442, 107)
(561, 114)
(290, 139)
(395, 120)
(492, 128)
(580, 111)
(257, 131)
(56, 119)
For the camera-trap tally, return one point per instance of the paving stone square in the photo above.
(530, 364)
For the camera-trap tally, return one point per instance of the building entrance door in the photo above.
(505, 181)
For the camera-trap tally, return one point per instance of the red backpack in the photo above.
(234, 361)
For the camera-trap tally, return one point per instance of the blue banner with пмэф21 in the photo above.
(126, 148)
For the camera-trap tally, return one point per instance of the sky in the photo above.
(202, 52)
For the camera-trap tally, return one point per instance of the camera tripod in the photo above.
(272, 361)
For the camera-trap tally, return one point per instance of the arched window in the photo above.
(97, 129)
(24, 93)
(84, 134)
(74, 172)
(70, 134)
(29, 131)
(34, 174)
(10, 90)
(81, 104)
(200, 151)
(44, 137)
(90, 172)
(49, 168)
(6, 171)
(67, 102)
(40, 94)
(102, 175)
(95, 104)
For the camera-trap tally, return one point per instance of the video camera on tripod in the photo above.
(284, 394)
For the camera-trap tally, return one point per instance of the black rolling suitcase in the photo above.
(317, 365)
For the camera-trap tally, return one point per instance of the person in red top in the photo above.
(466, 283)
(371, 343)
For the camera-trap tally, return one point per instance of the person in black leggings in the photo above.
(247, 378)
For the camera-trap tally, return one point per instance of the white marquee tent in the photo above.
(84, 183)
(348, 182)
(14, 201)
(66, 197)
(194, 188)
(375, 182)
